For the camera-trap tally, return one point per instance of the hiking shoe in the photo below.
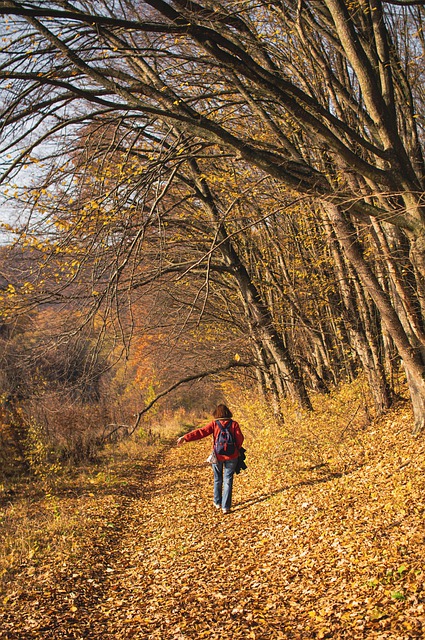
(217, 506)
(225, 511)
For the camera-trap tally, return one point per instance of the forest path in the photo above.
(157, 562)
(160, 563)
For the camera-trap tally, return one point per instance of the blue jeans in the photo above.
(223, 482)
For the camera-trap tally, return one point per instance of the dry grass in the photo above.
(51, 512)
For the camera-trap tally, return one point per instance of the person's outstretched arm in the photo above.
(196, 434)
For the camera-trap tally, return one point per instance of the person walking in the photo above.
(228, 439)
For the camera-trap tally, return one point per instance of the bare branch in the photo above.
(191, 378)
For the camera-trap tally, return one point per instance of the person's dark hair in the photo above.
(221, 411)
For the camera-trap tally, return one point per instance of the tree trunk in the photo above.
(412, 361)
(271, 394)
(263, 326)
(260, 317)
(402, 301)
(361, 333)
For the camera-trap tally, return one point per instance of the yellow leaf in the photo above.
(377, 614)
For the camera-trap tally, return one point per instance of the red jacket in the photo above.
(210, 428)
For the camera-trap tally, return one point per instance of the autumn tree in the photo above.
(322, 97)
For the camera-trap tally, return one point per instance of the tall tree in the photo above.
(319, 95)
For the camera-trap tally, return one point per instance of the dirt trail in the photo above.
(163, 564)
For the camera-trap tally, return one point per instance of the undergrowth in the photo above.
(330, 437)
(49, 510)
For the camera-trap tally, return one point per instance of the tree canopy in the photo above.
(266, 159)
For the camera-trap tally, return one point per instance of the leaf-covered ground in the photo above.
(306, 553)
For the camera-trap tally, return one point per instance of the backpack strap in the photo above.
(220, 426)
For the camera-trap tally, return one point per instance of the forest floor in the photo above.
(305, 553)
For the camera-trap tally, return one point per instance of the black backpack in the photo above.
(225, 443)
